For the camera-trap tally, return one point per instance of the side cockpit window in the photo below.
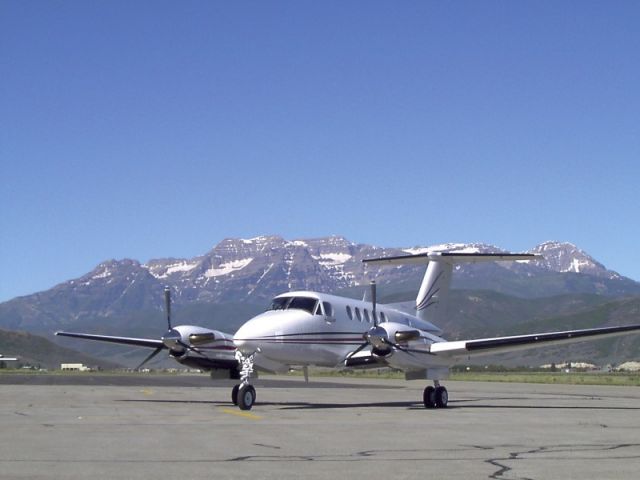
(328, 309)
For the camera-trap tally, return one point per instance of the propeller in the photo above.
(172, 339)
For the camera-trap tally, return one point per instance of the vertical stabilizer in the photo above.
(432, 299)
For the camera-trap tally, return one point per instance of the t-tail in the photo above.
(433, 296)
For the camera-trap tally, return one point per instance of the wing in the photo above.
(138, 342)
(485, 346)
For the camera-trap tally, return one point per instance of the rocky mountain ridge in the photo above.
(260, 267)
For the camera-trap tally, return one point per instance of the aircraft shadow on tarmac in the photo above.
(404, 405)
(286, 405)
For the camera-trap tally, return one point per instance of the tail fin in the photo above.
(432, 299)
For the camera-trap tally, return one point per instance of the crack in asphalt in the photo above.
(518, 455)
(504, 465)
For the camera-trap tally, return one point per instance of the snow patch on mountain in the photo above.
(332, 259)
(228, 267)
(104, 274)
(447, 247)
(180, 267)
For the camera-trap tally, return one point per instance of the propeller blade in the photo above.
(189, 347)
(153, 354)
(373, 303)
(167, 305)
(357, 350)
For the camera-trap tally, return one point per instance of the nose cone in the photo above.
(259, 332)
(245, 339)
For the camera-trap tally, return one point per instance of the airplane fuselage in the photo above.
(311, 328)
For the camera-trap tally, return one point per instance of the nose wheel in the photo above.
(436, 396)
(246, 396)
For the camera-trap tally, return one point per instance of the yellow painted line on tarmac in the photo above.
(240, 413)
(146, 391)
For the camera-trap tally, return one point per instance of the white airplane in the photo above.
(301, 329)
(7, 359)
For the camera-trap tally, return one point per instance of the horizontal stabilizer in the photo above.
(139, 342)
(451, 257)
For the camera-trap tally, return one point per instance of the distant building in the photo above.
(629, 367)
(570, 366)
(74, 367)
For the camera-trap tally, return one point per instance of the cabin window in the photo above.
(366, 316)
(328, 309)
(383, 317)
(349, 313)
(358, 316)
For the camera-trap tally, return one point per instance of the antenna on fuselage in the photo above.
(167, 305)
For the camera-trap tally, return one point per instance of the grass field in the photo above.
(573, 378)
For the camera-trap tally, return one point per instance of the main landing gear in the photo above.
(436, 396)
(244, 394)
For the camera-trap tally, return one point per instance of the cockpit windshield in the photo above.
(280, 303)
(301, 303)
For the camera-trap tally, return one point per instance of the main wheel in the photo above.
(429, 397)
(246, 397)
(441, 397)
(234, 394)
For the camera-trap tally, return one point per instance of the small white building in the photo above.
(570, 366)
(74, 367)
(629, 367)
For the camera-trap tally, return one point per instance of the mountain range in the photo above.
(237, 277)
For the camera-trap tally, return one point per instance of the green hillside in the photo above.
(38, 351)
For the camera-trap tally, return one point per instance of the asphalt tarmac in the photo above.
(137, 427)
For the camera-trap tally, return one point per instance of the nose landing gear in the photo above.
(244, 394)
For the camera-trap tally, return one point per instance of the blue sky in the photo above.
(146, 129)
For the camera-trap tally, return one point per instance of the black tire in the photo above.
(441, 397)
(429, 397)
(246, 397)
(234, 394)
